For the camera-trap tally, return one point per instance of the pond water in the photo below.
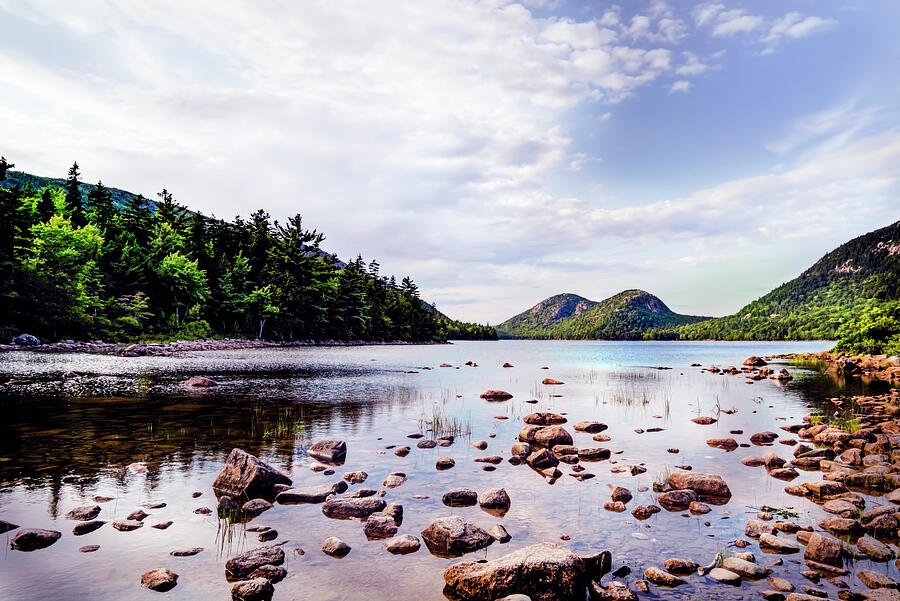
(61, 444)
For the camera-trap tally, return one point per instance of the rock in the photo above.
(161, 525)
(681, 567)
(255, 507)
(499, 533)
(724, 576)
(822, 488)
(778, 544)
(698, 508)
(402, 545)
(745, 569)
(780, 584)
(661, 577)
(616, 506)
(26, 340)
(496, 395)
(186, 552)
(874, 548)
(335, 547)
(127, 525)
(494, 498)
(755, 528)
(401, 451)
(328, 450)
(643, 512)
(343, 509)
(7, 526)
(257, 589)
(356, 477)
(426, 444)
(773, 461)
(138, 515)
(874, 579)
(753, 460)
(444, 463)
(199, 382)
(842, 526)
(273, 574)
(729, 444)
(542, 459)
(394, 480)
(87, 527)
(84, 513)
(704, 421)
(593, 454)
(311, 494)
(32, 539)
(543, 572)
(245, 476)
(242, 565)
(841, 507)
(492, 459)
(614, 591)
(544, 419)
(480, 444)
(620, 493)
(763, 438)
(590, 426)
(89, 548)
(754, 361)
(267, 535)
(159, 580)
(884, 525)
(454, 536)
(784, 473)
(677, 500)
(551, 436)
(521, 449)
(709, 485)
(460, 497)
(380, 526)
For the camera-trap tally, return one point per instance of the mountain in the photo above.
(39, 182)
(855, 278)
(625, 316)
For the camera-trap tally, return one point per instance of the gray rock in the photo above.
(402, 545)
(255, 507)
(126, 525)
(310, 494)
(258, 589)
(724, 576)
(273, 574)
(335, 547)
(355, 477)
(352, 508)
(460, 497)
(26, 340)
(745, 569)
(159, 580)
(84, 513)
(87, 527)
(379, 525)
(500, 533)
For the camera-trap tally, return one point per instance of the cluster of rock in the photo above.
(867, 367)
(754, 368)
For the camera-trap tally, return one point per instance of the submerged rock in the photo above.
(328, 450)
(311, 494)
(258, 589)
(460, 497)
(84, 513)
(543, 572)
(402, 545)
(709, 485)
(335, 547)
(352, 508)
(496, 395)
(245, 476)
(87, 527)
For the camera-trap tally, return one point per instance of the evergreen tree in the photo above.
(74, 204)
(46, 207)
(102, 211)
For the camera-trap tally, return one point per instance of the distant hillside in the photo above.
(848, 281)
(22, 180)
(625, 316)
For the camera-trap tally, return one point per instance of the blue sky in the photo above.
(498, 152)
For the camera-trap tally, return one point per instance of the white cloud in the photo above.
(681, 85)
(692, 65)
(793, 25)
(735, 21)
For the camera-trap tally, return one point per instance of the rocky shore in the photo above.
(870, 367)
(27, 342)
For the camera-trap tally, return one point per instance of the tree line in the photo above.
(81, 266)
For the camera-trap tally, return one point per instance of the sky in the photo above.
(497, 152)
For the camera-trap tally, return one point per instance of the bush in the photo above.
(193, 330)
(875, 332)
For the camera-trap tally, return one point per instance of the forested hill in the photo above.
(86, 261)
(625, 316)
(850, 281)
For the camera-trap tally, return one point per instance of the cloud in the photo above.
(793, 25)
(681, 85)
(735, 21)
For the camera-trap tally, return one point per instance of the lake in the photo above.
(63, 443)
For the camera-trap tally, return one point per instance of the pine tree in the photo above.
(4, 167)
(46, 207)
(74, 204)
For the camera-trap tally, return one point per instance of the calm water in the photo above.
(275, 402)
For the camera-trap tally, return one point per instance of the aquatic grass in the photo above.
(439, 423)
(269, 420)
(230, 530)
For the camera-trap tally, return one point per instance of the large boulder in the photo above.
(328, 450)
(543, 572)
(241, 566)
(246, 477)
(454, 536)
(824, 549)
(32, 539)
(544, 418)
(708, 485)
(677, 500)
(359, 507)
(257, 589)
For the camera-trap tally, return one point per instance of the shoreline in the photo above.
(871, 367)
(172, 349)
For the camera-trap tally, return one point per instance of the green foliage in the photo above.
(84, 261)
(625, 316)
(875, 332)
